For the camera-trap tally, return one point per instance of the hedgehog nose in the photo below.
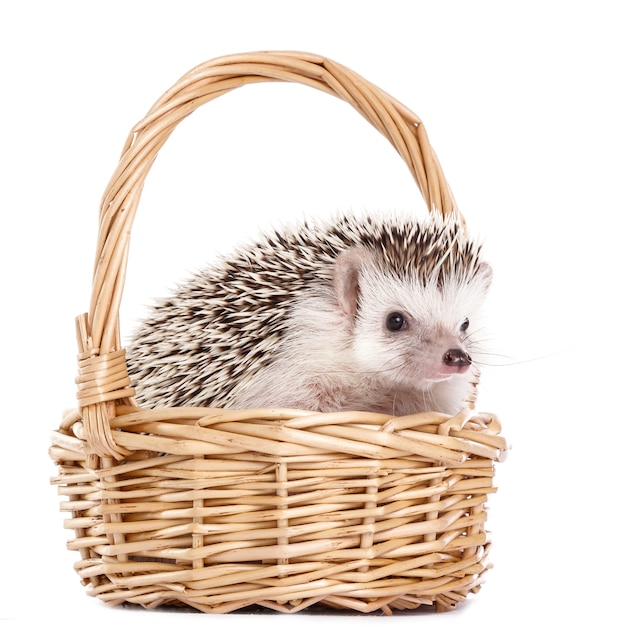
(457, 359)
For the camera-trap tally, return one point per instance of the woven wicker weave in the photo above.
(218, 509)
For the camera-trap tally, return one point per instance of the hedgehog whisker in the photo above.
(384, 367)
(471, 340)
(511, 361)
(428, 396)
(389, 366)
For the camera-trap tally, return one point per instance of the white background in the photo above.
(524, 104)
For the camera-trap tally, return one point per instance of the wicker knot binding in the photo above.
(221, 509)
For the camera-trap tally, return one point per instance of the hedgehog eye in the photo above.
(464, 325)
(395, 321)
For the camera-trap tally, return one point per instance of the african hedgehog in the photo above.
(375, 313)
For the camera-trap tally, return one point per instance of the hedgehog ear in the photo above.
(348, 269)
(484, 275)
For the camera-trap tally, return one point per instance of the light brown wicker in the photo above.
(220, 510)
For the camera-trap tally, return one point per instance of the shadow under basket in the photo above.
(221, 509)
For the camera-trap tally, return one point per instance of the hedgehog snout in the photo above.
(457, 359)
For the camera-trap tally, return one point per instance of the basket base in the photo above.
(323, 604)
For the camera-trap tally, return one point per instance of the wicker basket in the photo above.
(221, 509)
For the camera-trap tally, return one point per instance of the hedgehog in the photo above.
(379, 313)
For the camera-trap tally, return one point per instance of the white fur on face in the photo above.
(413, 357)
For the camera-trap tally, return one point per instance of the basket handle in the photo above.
(99, 331)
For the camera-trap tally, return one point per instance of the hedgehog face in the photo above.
(408, 334)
